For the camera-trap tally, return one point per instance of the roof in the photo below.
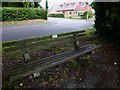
(67, 6)
(79, 6)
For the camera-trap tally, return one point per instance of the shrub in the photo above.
(70, 17)
(14, 14)
(84, 15)
(56, 15)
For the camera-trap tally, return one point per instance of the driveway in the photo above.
(53, 26)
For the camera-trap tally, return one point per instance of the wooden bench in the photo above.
(70, 39)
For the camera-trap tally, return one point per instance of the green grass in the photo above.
(74, 63)
(32, 21)
(90, 32)
(0, 49)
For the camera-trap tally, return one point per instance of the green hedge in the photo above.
(14, 14)
(56, 15)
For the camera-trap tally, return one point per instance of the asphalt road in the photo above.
(53, 26)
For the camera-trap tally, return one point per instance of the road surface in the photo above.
(53, 26)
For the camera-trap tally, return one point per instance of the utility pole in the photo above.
(46, 5)
(87, 10)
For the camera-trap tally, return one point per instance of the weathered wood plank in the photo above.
(71, 33)
(44, 43)
(40, 43)
(35, 45)
(37, 66)
(15, 43)
(24, 41)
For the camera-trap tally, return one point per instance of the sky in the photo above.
(56, 2)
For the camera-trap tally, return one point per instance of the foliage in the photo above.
(13, 4)
(70, 17)
(74, 63)
(0, 49)
(107, 19)
(14, 14)
(56, 15)
(36, 4)
(20, 4)
(84, 15)
(26, 4)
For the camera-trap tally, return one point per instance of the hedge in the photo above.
(107, 20)
(14, 14)
(56, 15)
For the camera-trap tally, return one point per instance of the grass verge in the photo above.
(8, 23)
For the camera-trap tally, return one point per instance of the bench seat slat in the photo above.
(49, 62)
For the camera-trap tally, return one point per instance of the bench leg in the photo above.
(92, 52)
(77, 58)
(81, 60)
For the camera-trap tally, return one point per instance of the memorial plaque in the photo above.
(54, 36)
(27, 56)
(77, 42)
(36, 74)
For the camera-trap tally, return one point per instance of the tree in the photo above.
(21, 4)
(12, 4)
(36, 5)
(27, 4)
(87, 11)
(107, 19)
(88, 4)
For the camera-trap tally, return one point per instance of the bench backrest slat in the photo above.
(13, 43)
(43, 41)
(26, 50)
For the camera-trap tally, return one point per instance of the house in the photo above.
(71, 9)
